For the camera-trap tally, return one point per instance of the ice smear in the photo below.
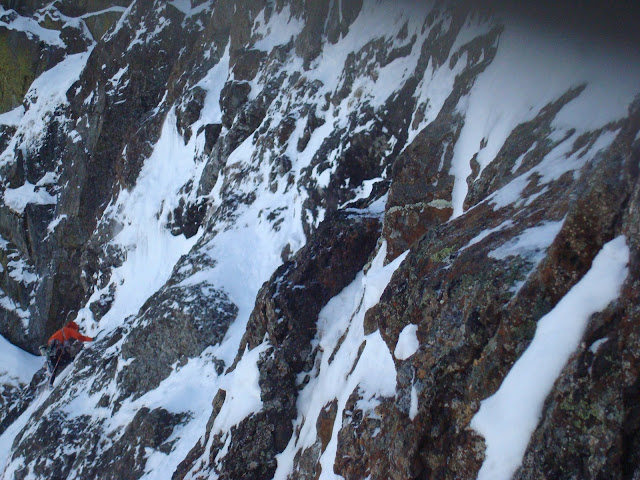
(532, 243)
(508, 418)
(373, 372)
(407, 342)
(548, 64)
(212, 83)
(485, 233)
(144, 213)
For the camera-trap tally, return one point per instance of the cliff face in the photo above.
(367, 239)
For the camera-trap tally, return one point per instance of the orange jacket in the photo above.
(70, 330)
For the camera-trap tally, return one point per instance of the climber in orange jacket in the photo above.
(60, 349)
(69, 331)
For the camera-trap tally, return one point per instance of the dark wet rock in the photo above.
(247, 64)
(234, 95)
(99, 24)
(176, 324)
(211, 135)
(189, 111)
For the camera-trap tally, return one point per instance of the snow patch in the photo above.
(508, 418)
(12, 118)
(17, 367)
(243, 391)
(407, 342)
(18, 198)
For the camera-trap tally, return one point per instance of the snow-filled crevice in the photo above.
(339, 338)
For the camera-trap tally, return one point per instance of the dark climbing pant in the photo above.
(58, 358)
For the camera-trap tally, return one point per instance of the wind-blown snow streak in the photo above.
(508, 418)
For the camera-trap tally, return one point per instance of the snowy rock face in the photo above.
(318, 239)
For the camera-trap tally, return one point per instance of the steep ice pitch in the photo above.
(547, 64)
(508, 418)
(373, 372)
(152, 251)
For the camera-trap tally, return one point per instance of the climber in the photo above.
(62, 347)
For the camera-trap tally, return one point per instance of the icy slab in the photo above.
(532, 243)
(508, 418)
(485, 233)
(17, 367)
(407, 342)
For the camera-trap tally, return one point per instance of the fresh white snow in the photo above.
(407, 342)
(33, 29)
(17, 366)
(508, 418)
(18, 198)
